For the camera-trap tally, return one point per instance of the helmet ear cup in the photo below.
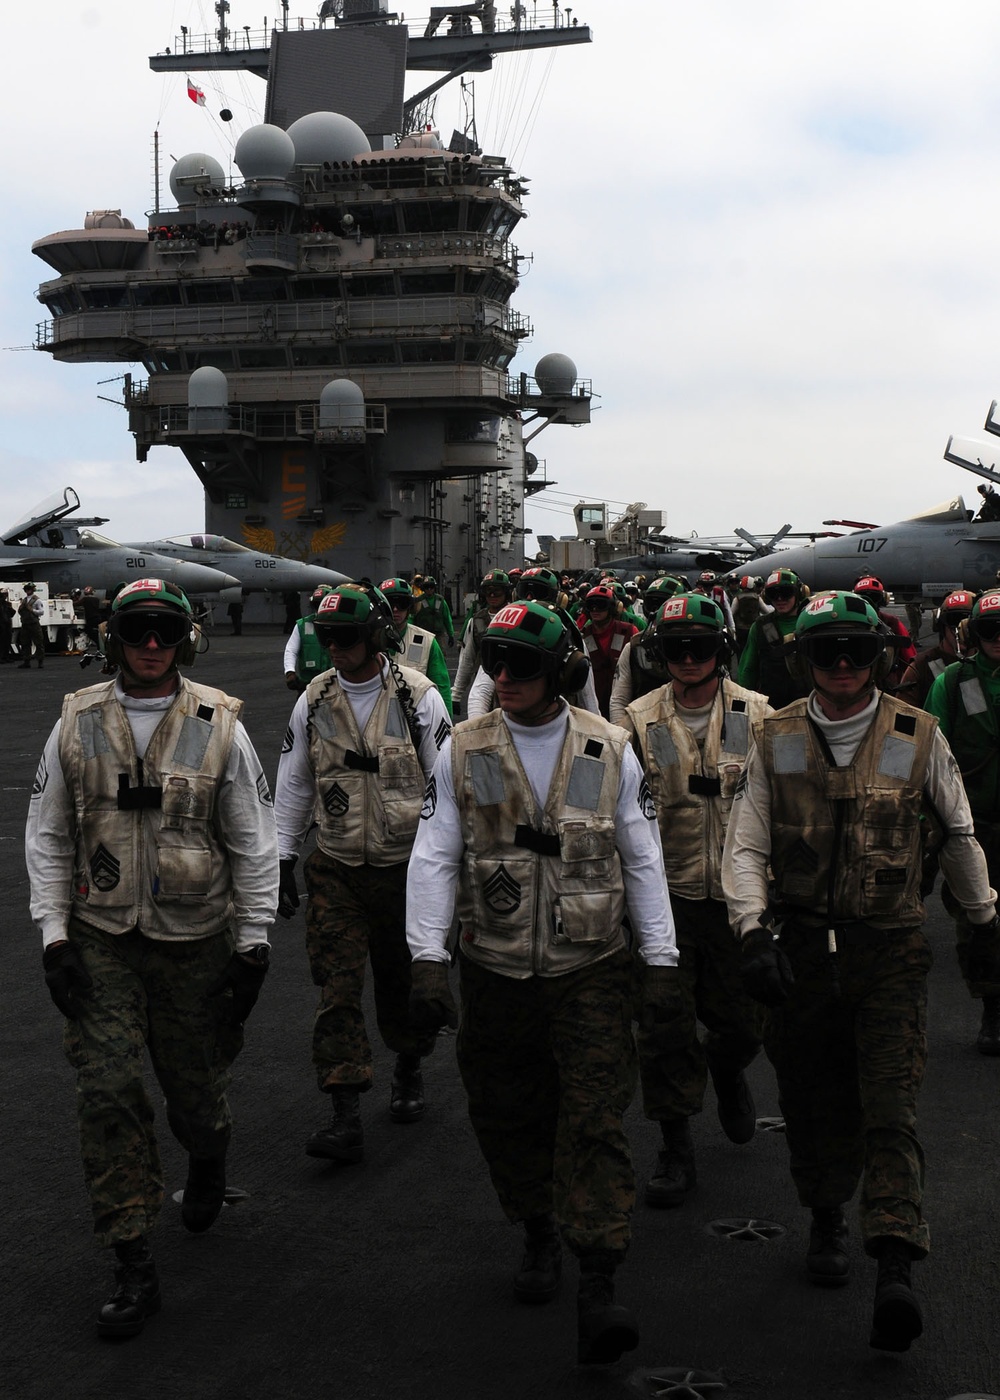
(573, 673)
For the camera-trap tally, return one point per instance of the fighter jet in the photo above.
(46, 548)
(254, 570)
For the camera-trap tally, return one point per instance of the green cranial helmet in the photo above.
(538, 583)
(836, 610)
(397, 590)
(151, 590)
(495, 581)
(690, 610)
(356, 605)
(531, 641)
(783, 578)
(658, 591)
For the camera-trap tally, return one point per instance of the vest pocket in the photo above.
(182, 872)
(584, 918)
(586, 849)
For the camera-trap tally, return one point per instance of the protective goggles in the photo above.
(342, 638)
(521, 663)
(540, 592)
(699, 646)
(133, 629)
(952, 619)
(825, 651)
(780, 593)
(987, 630)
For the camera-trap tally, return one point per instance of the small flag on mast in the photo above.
(195, 93)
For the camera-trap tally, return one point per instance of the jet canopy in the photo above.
(217, 544)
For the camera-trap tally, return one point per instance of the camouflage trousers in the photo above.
(548, 1065)
(711, 989)
(148, 994)
(849, 1056)
(357, 913)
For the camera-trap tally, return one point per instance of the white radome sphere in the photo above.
(265, 152)
(327, 136)
(341, 405)
(555, 374)
(197, 163)
(208, 387)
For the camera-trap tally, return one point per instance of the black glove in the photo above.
(66, 976)
(983, 951)
(661, 1014)
(244, 979)
(431, 1002)
(766, 972)
(288, 894)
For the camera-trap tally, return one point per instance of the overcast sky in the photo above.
(767, 233)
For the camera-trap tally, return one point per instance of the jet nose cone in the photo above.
(314, 575)
(197, 578)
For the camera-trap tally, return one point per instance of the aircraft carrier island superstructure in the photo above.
(327, 336)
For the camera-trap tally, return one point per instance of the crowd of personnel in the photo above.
(641, 808)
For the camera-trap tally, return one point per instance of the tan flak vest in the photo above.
(541, 892)
(693, 791)
(370, 787)
(856, 829)
(417, 642)
(148, 854)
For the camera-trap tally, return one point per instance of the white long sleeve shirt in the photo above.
(295, 790)
(433, 874)
(244, 814)
(748, 842)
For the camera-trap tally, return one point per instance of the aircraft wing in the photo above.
(17, 564)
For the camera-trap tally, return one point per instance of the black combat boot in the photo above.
(988, 1039)
(343, 1140)
(406, 1099)
(827, 1261)
(538, 1278)
(674, 1174)
(204, 1192)
(137, 1291)
(736, 1108)
(896, 1318)
(604, 1328)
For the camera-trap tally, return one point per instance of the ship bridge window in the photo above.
(316, 288)
(218, 359)
(105, 298)
(263, 289)
(155, 294)
(372, 352)
(378, 219)
(62, 304)
(263, 359)
(304, 356)
(431, 216)
(468, 427)
(422, 284)
(422, 351)
(376, 284)
(209, 293)
(164, 361)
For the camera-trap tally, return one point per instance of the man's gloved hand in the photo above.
(767, 973)
(431, 1002)
(288, 893)
(661, 1015)
(244, 979)
(67, 978)
(983, 950)
(292, 681)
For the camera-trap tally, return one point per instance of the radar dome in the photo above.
(265, 153)
(555, 374)
(341, 405)
(208, 387)
(327, 136)
(206, 168)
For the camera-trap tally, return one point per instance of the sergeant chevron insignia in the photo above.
(336, 801)
(105, 870)
(502, 892)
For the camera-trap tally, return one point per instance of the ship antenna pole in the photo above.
(156, 171)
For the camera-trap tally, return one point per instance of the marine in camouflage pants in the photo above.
(549, 1067)
(849, 1068)
(356, 913)
(147, 994)
(711, 991)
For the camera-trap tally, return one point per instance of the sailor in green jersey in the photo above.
(420, 647)
(433, 613)
(304, 657)
(762, 664)
(965, 698)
